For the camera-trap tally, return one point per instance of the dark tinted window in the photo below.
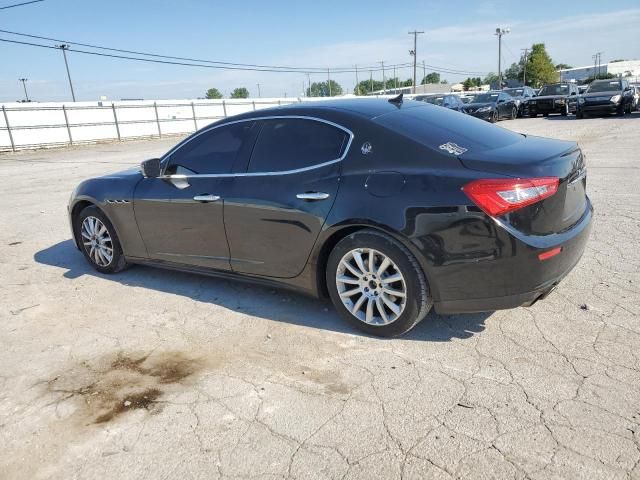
(210, 152)
(292, 143)
(433, 127)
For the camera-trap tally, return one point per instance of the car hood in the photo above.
(608, 93)
(129, 173)
(478, 105)
(549, 97)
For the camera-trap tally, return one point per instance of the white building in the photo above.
(626, 68)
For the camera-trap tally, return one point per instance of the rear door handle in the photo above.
(206, 198)
(312, 196)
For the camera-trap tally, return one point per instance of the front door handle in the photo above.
(312, 196)
(206, 198)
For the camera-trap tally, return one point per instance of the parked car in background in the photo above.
(451, 102)
(389, 208)
(559, 98)
(522, 96)
(492, 106)
(607, 96)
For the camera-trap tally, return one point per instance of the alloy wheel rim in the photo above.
(97, 241)
(371, 286)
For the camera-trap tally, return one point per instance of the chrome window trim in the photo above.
(167, 156)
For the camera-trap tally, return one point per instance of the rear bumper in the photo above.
(515, 278)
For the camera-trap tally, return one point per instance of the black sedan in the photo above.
(607, 96)
(492, 106)
(388, 207)
(559, 98)
(522, 95)
(452, 102)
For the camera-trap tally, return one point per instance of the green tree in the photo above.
(540, 68)
(321, 89)
(240, 92)
(617, 60)
(433, 77)
(514, 72)
(213, 93)
(490, 78)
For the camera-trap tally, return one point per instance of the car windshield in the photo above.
(604, 86)
(485, 97)
(560, 89)
(434, 100)
(516, 92)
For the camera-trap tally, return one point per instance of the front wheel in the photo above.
(98, 241)
(494, 117)
(376, 284)
(514, 113)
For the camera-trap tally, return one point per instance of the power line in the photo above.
(221, 66)
(187, 59)
(20, 4)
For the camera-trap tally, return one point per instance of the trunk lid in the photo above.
(536, 157)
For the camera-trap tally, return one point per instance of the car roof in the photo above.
(363, 107)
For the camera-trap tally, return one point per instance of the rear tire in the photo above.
(361, 271)
(98, 241)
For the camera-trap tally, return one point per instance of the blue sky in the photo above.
(296, 33)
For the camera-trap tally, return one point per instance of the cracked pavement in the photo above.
(158, 374)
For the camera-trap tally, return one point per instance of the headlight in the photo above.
(581, 100)
(483, 109)
(615, 98)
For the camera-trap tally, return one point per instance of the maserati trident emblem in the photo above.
(452, 148)
(366, 148)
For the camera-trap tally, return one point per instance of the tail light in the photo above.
(499, 196)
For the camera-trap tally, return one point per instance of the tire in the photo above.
(97, 253)
(514, 113)
(494, 117)
(620, 111)
(402, 264)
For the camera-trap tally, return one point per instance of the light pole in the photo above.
(24, 85)
(414, 52)
(64, 47)
(524, 77)
(258, 85)
(500, 32)
(384, 80)
(357, 89)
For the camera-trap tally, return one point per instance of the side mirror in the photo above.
(502, 100)
(150, 168)
(573, 93)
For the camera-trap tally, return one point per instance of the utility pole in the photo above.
(357, 82)
(395, 78)
(64, 47)
(500, 32)
(384, 80)
(524, 77)
(258, 85)
(24, 85)
(414, 52)
(424, 69)
(309, 82)
(595, 64)
(370, 81)
(599, 58)
(329, 81)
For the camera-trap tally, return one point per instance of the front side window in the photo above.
(293, 143)
(211, 152)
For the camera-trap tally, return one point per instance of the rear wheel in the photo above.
(98, 241)
(376, 284)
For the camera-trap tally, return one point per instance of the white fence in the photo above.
(33, 125)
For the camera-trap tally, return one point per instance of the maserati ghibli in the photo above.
(388, 207)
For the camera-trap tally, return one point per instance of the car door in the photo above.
(180, 214)
(275, 211)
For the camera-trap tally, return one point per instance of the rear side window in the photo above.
(211, 152)
(293, 143)
(434, 127)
